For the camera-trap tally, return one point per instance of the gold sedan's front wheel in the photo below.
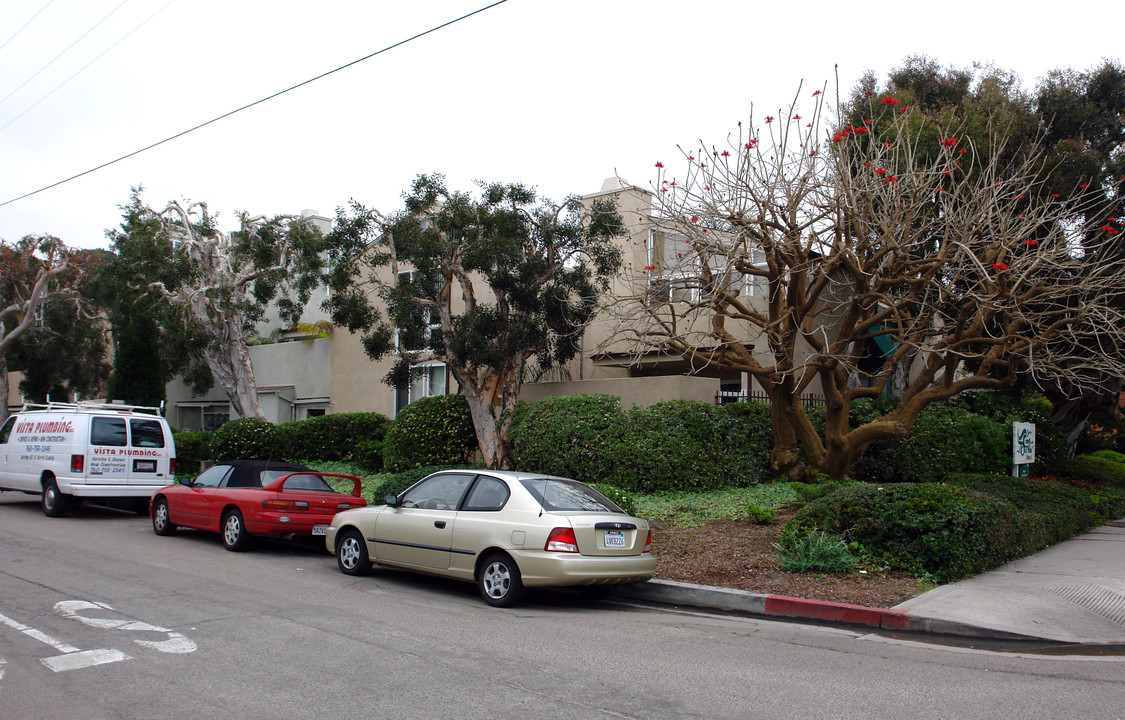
(499, 581)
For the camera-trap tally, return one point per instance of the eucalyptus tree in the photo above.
(481, 284)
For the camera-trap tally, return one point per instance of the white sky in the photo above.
(559, 95)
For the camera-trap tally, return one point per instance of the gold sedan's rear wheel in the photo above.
(499, 581)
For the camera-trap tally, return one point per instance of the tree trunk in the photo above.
(4, 388)
(229, 361)
(494, 449)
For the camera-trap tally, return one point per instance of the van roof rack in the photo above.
(95, 406)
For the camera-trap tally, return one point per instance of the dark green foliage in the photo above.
(943, 440)
(1101, 466)
(676, 445)
(246, 439)
(687, 445)
(398, 483)
(950, 530)
(575, 436)
(430, 431)
(808, 492)
(619, 497)
(943, 532)
(62, 357)
(193, 447)
(814, 551)
(138, 374)
(1060, 511)
(1103, 431)
(335, 437)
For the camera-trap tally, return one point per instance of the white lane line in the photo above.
(37, 635)
(84, 659)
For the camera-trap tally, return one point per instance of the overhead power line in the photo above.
(83, 68)
(64, 52)
(256, 102)
(17, 32)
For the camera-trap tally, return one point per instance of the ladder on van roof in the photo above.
(94, 406)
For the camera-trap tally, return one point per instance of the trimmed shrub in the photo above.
(334, 437)
(192, 448)
(575, 436)
(247, 439)
(1104, 466)
(675, 445)
(430, 431)
(1060, 511)
(943, 440)
(686, 445)
(815, 551)
(943, 532)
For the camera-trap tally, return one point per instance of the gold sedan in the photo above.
(502, 530)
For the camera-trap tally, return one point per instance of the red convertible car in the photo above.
(243, 498)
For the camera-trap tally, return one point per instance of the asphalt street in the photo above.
(100, 618)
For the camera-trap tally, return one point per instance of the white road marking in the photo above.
(37, 635)
(72, 658)
(176, 642)
(83, 659)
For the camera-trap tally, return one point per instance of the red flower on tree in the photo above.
(999, 266)
(815, 93)
(889, 101)
(880, 171)
(695, 218)
(1030, 242)
(724, 153)
(769, 119)
(659, 164)
(949, 142)
(893, 178)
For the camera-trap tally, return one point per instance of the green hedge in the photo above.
(343, 436)
(1102, 466)
(943, 440)
(193, 447)
(430, 431)
(675, 445)
(575, 436)
(943, 532)
(247, 439)
(971, 523)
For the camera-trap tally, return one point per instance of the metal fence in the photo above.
(729, 396)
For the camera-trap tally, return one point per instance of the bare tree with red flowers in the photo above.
(904, 252)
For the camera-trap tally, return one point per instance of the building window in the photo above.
(425, 381)
(314, 412)
(430, 336)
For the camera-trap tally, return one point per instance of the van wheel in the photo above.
(54, 502)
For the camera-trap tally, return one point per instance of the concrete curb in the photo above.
(668, 592)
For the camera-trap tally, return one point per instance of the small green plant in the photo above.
(815, 551)
(759, 514)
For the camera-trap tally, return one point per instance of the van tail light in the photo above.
(172, 467)
(77, 463)
(285, 505)
(562, 540)
(648, 543)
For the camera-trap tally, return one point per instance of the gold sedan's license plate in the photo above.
(320, 530)
(614, 538)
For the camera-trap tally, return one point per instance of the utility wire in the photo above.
(64, 52)
(80, 70)
(256, 102)
(17, 32)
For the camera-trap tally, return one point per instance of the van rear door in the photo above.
(150, 452)
(108, 462)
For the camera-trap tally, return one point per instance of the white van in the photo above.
(61, 451)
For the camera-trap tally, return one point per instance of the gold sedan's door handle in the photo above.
(440, 524)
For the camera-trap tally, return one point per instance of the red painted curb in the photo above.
(836, 612)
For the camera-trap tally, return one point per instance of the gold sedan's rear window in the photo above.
(557, 494)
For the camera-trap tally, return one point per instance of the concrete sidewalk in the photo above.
(1072, 593)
